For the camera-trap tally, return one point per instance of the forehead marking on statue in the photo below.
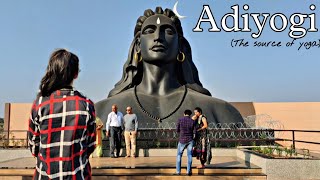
(158, 19)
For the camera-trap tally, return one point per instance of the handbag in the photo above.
(194, 151)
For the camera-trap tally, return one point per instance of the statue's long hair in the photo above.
(187, 72)
(62, 68)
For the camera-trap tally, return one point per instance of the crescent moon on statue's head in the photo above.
(176, 12)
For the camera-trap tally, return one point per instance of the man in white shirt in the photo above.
(114, 129)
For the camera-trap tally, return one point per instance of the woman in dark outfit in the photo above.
(201, 136)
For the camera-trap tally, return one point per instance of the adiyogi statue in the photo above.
(159, 79)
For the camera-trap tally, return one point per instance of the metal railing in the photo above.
(293, 140)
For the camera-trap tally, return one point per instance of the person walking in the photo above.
(130, 133)
(186, 129)
(62, 129)
(114, 130)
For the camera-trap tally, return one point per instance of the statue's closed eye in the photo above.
(169, 31)
(148, 31)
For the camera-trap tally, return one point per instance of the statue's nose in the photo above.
(158, 35)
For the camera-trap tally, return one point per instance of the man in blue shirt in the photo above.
(130, 132)
(186, 129)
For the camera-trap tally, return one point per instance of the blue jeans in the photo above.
(181, 148)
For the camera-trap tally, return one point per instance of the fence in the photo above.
(168, 138)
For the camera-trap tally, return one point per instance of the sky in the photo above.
(100, 33)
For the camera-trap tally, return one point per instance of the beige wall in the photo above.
(17, 118)
(299, 115)
(293, 115)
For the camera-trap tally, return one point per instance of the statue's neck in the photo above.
(158, 79)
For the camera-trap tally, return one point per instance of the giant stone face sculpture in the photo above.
(159, 78)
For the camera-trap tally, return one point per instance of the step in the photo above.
(140, 171)
(99, 174)
(182, 177)
(146, 168)
(170, 171)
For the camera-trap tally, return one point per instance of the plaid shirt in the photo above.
(62, 135)
(186, 128)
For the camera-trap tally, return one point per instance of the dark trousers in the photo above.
(115, 140)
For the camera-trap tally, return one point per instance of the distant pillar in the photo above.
(6, 125)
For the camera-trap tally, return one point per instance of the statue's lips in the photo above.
(158, 48)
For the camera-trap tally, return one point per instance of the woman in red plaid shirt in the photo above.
(62, 123)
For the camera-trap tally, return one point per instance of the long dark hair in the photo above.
(187, 72)
(63, 67)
